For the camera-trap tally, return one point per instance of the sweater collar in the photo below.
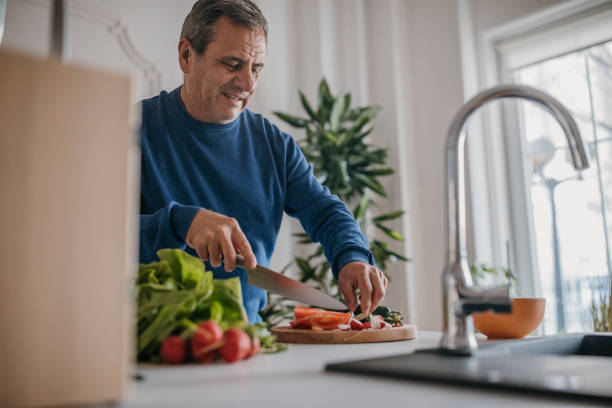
(197, 124)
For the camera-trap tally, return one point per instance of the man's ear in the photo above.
(185, 54)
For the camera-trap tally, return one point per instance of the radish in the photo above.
(173, 350)
(207, 338)
(237, 345)
(256, 344)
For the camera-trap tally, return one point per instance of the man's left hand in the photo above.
(370, 281)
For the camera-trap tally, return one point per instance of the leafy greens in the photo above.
(176, 293)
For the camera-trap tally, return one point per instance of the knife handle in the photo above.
(241, 262)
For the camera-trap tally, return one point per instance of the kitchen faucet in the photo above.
(459, 296)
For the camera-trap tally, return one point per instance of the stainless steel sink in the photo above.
(575, 365)
(597, 345)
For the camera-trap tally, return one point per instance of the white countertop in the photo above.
(296, 378)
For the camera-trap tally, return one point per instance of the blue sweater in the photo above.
(246, 169)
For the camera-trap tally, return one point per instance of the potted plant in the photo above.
(601, 310)
(483, 274)
(526, 314)
(335, 143)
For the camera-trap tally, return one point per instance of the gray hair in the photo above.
(198, 25)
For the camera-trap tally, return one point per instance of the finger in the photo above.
(346, 288)
(378, 290)
(202, 253)
(365, 295)
(229, 254)
(214, 252)
(382, 277)
(243, 246)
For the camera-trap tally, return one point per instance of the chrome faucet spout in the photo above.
(460, 297)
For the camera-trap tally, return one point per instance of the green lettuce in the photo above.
(175, 293)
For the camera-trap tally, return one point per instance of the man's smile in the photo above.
(236, 99)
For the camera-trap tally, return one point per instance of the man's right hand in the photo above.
(216, 237)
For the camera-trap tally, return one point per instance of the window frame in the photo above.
(500, 179)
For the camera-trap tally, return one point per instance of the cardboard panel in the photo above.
(69, 189)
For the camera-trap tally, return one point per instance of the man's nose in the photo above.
(248, 80)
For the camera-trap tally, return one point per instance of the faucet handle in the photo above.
(474, 299)
(474, 292)
(498, 305)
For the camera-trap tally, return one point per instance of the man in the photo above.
(216, 177)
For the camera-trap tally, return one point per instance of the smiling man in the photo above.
(216, 177)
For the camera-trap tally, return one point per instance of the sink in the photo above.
(596, 345)
(573, 365)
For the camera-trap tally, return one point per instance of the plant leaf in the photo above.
(330, 136)
(398, 256)
(307, 107)
(389, 216)
(384, 171)
(323, 271)
(355, 140)
(317, 253)
(292, 120)
(373, 185)
(347, 103)
(304, 265)
(361, 208)
(325, 96)
(364, 117)
(326, 101)
(377, 156)
(391, 233)
(336, 113)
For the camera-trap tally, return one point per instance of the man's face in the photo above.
(219, 84)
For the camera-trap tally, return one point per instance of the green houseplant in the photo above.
(336, 145)
(483, 274)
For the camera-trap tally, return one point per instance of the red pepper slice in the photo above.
(301, 323)
(329, 321)
(300, 312)
(318, 319)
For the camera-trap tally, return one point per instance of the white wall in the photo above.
(436, 94)
(139, 37)
(402, 55)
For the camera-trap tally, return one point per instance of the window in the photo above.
(571, 212)
(551, 225)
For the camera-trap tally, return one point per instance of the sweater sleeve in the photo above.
(325, 218)
(165, 228)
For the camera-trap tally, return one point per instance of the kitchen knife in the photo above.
(280, 284)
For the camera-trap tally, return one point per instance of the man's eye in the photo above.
(232, 66)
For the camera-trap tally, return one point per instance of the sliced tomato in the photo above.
(356, 324)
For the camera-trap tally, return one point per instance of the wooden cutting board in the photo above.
(287, 334)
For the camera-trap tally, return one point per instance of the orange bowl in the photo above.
(526, 316)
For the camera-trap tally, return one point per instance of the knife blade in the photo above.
(280, 284)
